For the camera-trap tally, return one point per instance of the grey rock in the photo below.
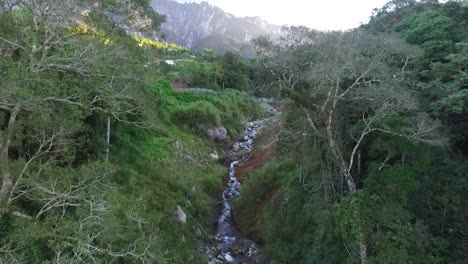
(218, 134)
(181, 217)
(214, 155)
(236, 147)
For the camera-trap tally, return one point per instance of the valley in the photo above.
(168, 132)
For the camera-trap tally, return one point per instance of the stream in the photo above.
(232, 246)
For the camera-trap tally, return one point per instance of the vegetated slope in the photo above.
(372, 152)
(172, 166)
(223, 44)
(189, 23)
(97, 151)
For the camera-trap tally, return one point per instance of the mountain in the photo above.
(222, 44)
(202, 25)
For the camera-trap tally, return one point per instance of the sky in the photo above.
(317, 14)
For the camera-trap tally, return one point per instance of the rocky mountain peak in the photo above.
(195, 24)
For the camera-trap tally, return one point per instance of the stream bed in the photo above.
(232, 247)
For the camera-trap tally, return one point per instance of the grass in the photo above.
(171, 166)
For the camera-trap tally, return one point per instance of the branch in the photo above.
(384, 163)
(64, 100)
(309, 119)
(45, 147)
(13, 43)
(356, 82)
(367, 130)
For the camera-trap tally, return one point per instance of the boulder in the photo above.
(217, 134)
(214, 155)
(181, 217)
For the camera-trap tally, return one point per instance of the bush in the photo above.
(275, 208)
(197, 115)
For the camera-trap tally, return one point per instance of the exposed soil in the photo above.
(263, 151)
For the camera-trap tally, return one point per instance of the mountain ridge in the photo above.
(190, 24)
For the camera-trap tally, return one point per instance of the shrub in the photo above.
(197, 115)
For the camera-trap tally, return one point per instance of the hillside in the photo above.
(101, 160)
(223, 44)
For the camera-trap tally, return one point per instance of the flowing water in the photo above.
(232, 246)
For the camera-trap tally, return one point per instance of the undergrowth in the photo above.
(170, 164)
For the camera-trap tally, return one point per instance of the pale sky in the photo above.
(317, 14)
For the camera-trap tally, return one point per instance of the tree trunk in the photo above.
(363, 251)
(352, 189)
(108, 138)
(343, 164)
(346, 173)
(359, 163)
(5, 141)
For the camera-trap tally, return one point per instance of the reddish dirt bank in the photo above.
(254, 162)
(264, 150)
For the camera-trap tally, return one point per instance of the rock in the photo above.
(236, 147)
(218, 238)
(214, 155)
(178, 145)
(198, 232)
(236, 251)
(225, 256)
(218, 134)
(181, 217)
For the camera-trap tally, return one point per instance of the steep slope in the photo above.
(188, 24)
(222, 44)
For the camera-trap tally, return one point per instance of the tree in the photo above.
(348, 87)
(64, 65)
(40, 43)
(235, 72)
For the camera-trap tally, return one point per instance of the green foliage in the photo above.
(171, 166)
(291, 220)
(393, 232)
(71, 201)
(439, 30)
(196, 73)
(404, 200)
(428, 26)
(235, 70)
(167, 168)
(198, 115)
(228, 108)
(206, 69)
